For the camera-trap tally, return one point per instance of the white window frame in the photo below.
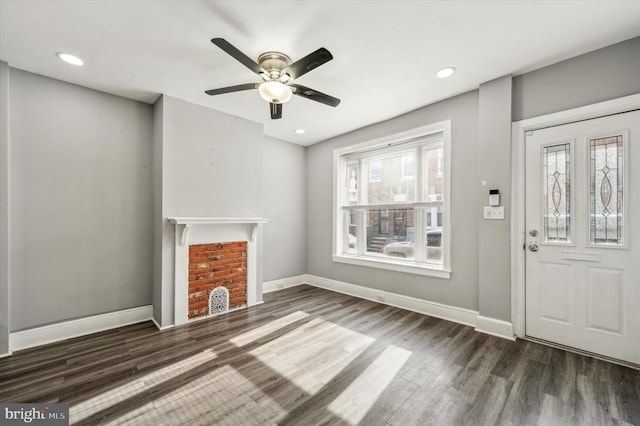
(340, 218)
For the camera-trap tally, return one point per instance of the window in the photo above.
(440, 164)
(408, 166)
(392, 202)
(375, 171)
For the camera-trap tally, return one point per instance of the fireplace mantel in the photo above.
(205, 230)
(188, 222)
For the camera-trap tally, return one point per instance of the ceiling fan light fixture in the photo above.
(275, 92)
(284, 78)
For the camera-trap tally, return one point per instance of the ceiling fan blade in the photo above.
(311, 61)
(230, 89)
(238, 55)
(276, 111)
(314, 95)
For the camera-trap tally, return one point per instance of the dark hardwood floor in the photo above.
(309, 356)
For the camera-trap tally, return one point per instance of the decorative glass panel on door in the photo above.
(557, 193)
(606, 195)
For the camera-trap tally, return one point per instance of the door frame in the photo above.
(518, 196)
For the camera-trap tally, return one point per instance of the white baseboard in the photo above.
(450, 313)
(78, 327)
(6, 354)
(495, 327)
(160, 327)
(83, 326)
(279, 284)
(166, 327)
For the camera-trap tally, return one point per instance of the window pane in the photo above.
(408, 166)
(391, 232)
(434, 216)
(433, 176)
(375, 171)
(557, 193)
(351, 228)
(352, 244)
(353, 218)
(433, 222)
(391, 178)
(351, 183)
(606, 194)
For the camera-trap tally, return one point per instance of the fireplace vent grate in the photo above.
(218, 300)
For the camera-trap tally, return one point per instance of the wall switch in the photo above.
(494, 212)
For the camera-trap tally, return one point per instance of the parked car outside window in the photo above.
(405, 249)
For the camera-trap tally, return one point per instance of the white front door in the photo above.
(583, 235)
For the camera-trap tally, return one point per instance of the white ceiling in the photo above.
(385, 53)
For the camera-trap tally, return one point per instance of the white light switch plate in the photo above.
(494, 212)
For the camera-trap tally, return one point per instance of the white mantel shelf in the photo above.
(214, 220)
(188, 222)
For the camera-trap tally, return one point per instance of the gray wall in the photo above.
(211, 167)
(4, 208)
(212, 162)
(494, 165)
(462, 289)
(81, 237)
(284, 188)
(608, 73)
(157, 222)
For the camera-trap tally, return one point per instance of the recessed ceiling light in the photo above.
(445, 72)
(70, 59)
(299, 131)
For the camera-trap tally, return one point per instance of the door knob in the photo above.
(533, 247)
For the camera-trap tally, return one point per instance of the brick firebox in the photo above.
(217, 265)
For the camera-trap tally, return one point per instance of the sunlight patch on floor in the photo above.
(310, 369)
(121, 393)
(358, 398)
(270, 327)
(222, 397)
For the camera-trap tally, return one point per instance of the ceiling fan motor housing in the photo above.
(274, 63)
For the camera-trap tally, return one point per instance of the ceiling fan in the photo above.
(277, 72)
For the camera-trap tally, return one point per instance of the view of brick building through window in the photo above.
(215, 265)
(392, 180)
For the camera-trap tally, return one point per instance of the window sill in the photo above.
(390, 265)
